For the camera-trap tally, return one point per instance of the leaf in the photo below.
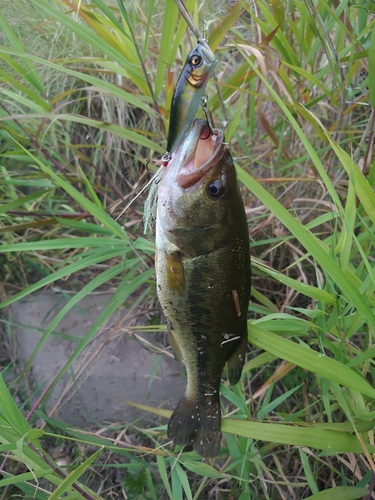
(73, 476)
(167, 47)
(308, 290)
(340, 493)
(151, 409)
(93, 209)
(184, 480)
(163, 474)
(133, 99)
(276, 402)
(128, 285)
(362, 188)
(307, 435)
(371, 69)
(317, 248)
(26, 90)
(27, 71)
(332, 441)
(126, 133)
(176, 484)
(98, 42)
(10, 412)
(98, 280)
(11, 205)
(308, 472)
(203, 469)
(221, 29)
(86, 261)
(309, 360)
(27, 476)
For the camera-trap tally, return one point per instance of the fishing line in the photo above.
(141, 191)
(185, 14)
(189, 21)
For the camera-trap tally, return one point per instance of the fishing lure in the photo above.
(188, 94)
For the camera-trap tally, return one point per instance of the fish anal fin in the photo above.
(175, 347)
(236, 360)
(197, 422)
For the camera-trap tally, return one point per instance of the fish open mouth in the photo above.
(202, 149)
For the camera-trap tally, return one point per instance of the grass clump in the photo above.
(85, 93)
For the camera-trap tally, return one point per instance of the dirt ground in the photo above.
(114, 367)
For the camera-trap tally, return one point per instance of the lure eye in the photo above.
(216, 189)
(195, 60)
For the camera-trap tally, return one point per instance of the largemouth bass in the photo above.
(203, 278)
(188, 93)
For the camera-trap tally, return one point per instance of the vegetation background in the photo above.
(85, 93)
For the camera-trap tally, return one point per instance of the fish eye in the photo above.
(195, 60)
(216, 189)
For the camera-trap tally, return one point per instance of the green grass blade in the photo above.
(33, 96)
(371, 69)
(125, 133)
(308, 435)
(317, 248)
(332, 441)
(86, 261)
(362, 188)
(27, 476)
(137, 101)
(308, 290)
(126, 287)
(203, 469)
(308, 472)
(184, 481)
(309, 360)
(12, 205)
(163, 474)
(10, 411)
(93, 209)
(168, 49)
(89, 288)
(275, 403)
(28, 71)
(340, 493)
(73, 476)
(62, 243)
(95, 41)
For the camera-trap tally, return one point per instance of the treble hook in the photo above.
(205, 110)
(148, 168)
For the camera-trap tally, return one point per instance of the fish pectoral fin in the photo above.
(197, 422)
(236, 360)
(175, 347)
(175, 272)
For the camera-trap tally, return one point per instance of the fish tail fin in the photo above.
(236, 360)
(197, 422)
